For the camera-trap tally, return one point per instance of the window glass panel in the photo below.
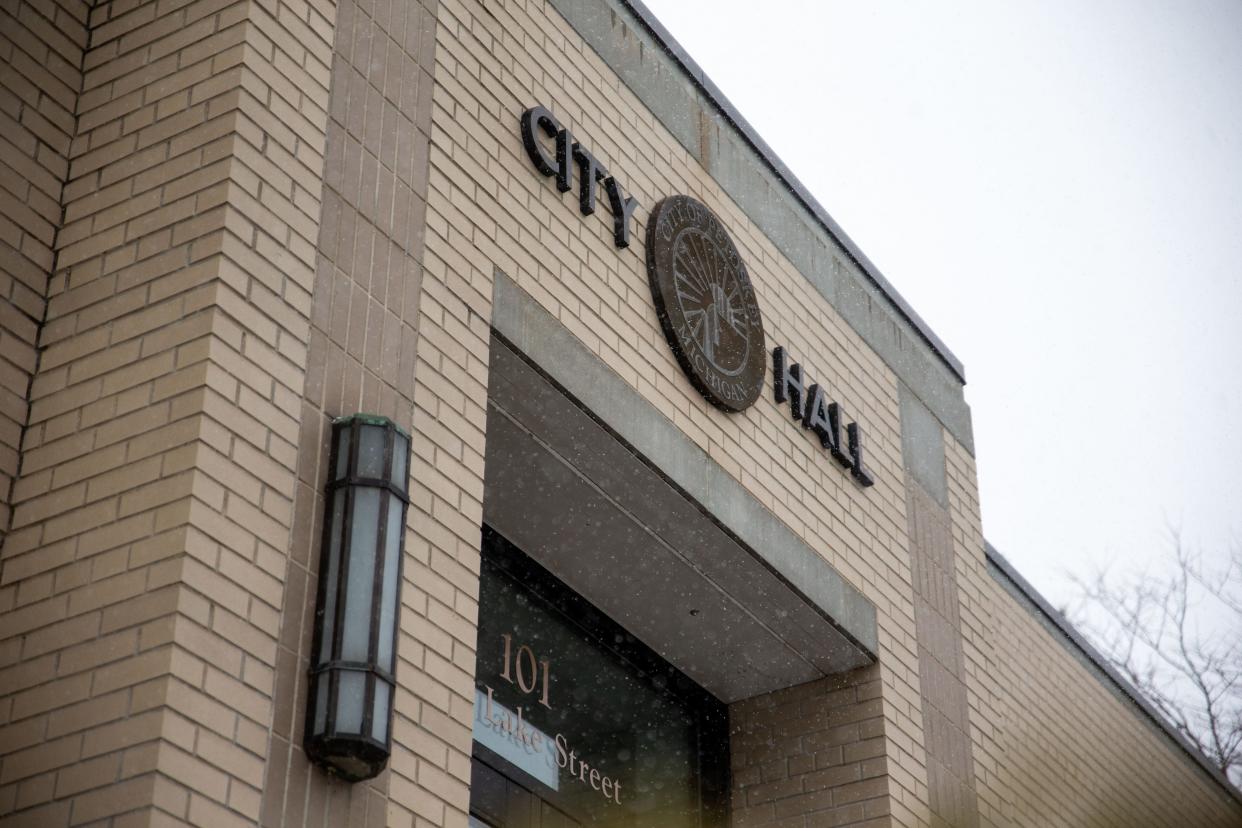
(604, 740)
(371, 451)
(379, 713)
(332, 576)
(400, 456)
(349, 702)
(342, 454)
(388, 600)
(321, 704)
(360, 582)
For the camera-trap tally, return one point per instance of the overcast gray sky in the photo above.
(1056, 187)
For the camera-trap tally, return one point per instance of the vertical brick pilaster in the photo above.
(980, 641)
(361, 358)
(946, 712)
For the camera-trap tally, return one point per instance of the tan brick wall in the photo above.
(361, 359)
(202, 322)
(142, 577)
(1075, 754)
(811, 755)
(1054, 746)
(439, 624)
(488, 209)
(41, 48)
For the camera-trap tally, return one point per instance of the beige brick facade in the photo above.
(813, 754)
(42, 47)
(223, 222)
(144, 564)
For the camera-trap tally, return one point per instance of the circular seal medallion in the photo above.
(705, 302)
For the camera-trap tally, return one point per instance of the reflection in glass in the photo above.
(614, 745)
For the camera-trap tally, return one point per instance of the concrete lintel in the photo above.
(532, 330)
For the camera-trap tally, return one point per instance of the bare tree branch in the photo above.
(1176, 636)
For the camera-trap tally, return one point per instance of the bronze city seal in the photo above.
(705, 302)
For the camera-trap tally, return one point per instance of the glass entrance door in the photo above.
(576, 722)
(497, 800)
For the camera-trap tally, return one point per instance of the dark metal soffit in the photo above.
(713, 94)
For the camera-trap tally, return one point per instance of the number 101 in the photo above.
(525, 670)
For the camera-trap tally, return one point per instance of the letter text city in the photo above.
(568, 155)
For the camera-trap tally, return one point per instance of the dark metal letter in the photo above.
(823, 420)
(813, 415)
(834, 428)
(622, 211)
(787, 384)
(538, 117)
(565, 160)
(590, 171)
(856, 455)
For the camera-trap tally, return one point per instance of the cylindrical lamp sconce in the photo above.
(349, 704)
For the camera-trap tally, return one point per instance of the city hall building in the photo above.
(452, 413)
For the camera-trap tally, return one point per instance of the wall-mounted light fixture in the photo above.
(349, 707)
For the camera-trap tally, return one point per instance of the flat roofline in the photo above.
(1073, 640)
(717, 98)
